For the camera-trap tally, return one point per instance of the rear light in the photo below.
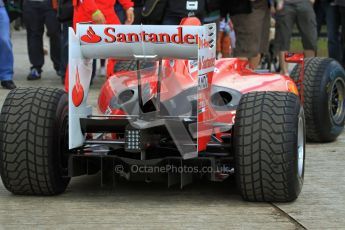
(291, 87)
(133, 140)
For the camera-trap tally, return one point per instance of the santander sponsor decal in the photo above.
(205, 63)
(91, 36)
(110, 35)
(77, 91)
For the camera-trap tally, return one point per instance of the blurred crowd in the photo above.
(259, 31)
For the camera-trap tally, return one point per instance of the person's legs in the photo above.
(285, 21)
(320, 8)
(221, 25)
(120, 12)
(265, 22)
(138, 19)
(6, 54)
(254, 61)
(102, 71)
(226, 43)
(309, 53)
(64, 48)
(102, 62)
(34, 20)
(249, 35)
(306, 23)
(54, 33)
(112, 18)
(94, 68)
(333, 24)
(170, 20)
(342, 13)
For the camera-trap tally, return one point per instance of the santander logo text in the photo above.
(110, 35)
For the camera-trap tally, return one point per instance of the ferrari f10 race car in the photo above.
(179, 114)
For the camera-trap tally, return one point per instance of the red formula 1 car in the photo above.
(179, 115)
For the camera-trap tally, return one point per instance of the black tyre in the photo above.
(34, 141)
(324, 93)
(269, 146)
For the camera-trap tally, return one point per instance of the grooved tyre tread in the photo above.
(131, 65)
(29, 141)
(265, 146)
(317, 79)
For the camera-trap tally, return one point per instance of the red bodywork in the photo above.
(229, 73)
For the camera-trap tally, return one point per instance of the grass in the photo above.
(322, 50)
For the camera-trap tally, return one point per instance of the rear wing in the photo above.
(131, 42)
(128, 42)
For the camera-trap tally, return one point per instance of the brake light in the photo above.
(291, 87)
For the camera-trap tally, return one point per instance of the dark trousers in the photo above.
(6, 53)
(120, 13)
(326, 12)
(171, 20)
(36, 15)
(64, 47)
(176, 20)
(342, 14)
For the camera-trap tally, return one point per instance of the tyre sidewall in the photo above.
(298, 180)
(331, 130)
(2, 133)
(55, 149)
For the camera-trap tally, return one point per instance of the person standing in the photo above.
(6, 52)
(251, 21)
(65, 17)
(341, 7)
(300, 12)
(101, 11)
(138, 8)
(120, 12)
(326, 11)
(36, 14)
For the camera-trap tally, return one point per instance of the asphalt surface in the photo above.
(203, 205)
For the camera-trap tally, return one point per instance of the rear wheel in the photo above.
(324, 93)
(131, 65)
(269, 146)
(34, 141)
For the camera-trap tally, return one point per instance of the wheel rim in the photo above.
(300, 146)
(337, 102)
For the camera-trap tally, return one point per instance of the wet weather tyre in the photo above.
(131, 65)
(33, 141)
(269, 146)
(324, 93)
